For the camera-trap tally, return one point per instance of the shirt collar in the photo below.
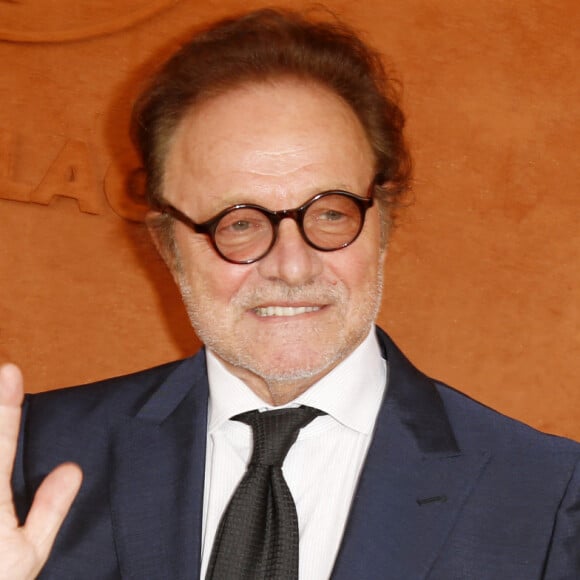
(351, 393)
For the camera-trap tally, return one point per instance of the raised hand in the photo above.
(25, 549)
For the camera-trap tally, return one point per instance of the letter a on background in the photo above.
(71, 175)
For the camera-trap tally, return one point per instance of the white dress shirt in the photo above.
(322, 467)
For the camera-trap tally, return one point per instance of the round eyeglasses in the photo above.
(245, 233)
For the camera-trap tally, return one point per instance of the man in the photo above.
(275, 156)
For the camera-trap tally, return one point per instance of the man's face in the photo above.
(282, 322)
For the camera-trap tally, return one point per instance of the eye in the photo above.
(331, 215)
(240, 226)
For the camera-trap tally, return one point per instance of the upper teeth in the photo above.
(285, 310)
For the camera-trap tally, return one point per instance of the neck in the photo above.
(275, 391)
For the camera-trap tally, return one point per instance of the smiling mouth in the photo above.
(285, 310)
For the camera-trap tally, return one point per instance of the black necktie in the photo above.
(257, 538)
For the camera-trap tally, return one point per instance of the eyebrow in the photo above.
(232, 199)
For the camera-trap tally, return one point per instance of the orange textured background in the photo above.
(483, 279)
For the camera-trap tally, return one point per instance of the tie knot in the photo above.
(275, 432)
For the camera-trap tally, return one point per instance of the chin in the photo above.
(300, 366)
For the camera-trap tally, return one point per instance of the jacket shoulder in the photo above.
(474, 425)
(123, 395)
(474, 422)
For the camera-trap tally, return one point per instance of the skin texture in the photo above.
(275, 144)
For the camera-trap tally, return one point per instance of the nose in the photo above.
(291, 260)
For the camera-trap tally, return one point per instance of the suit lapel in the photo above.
(413, 485)
(157, 482)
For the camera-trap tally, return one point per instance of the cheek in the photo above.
(362, 274)
(210, 278)
(361, 264)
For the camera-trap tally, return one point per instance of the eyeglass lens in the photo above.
(329, 223)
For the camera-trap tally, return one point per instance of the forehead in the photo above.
(287, 138)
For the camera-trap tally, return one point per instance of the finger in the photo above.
(51, 505)
(11, 380)
(11, 394)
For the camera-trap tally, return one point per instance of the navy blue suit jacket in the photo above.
(450, 490)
